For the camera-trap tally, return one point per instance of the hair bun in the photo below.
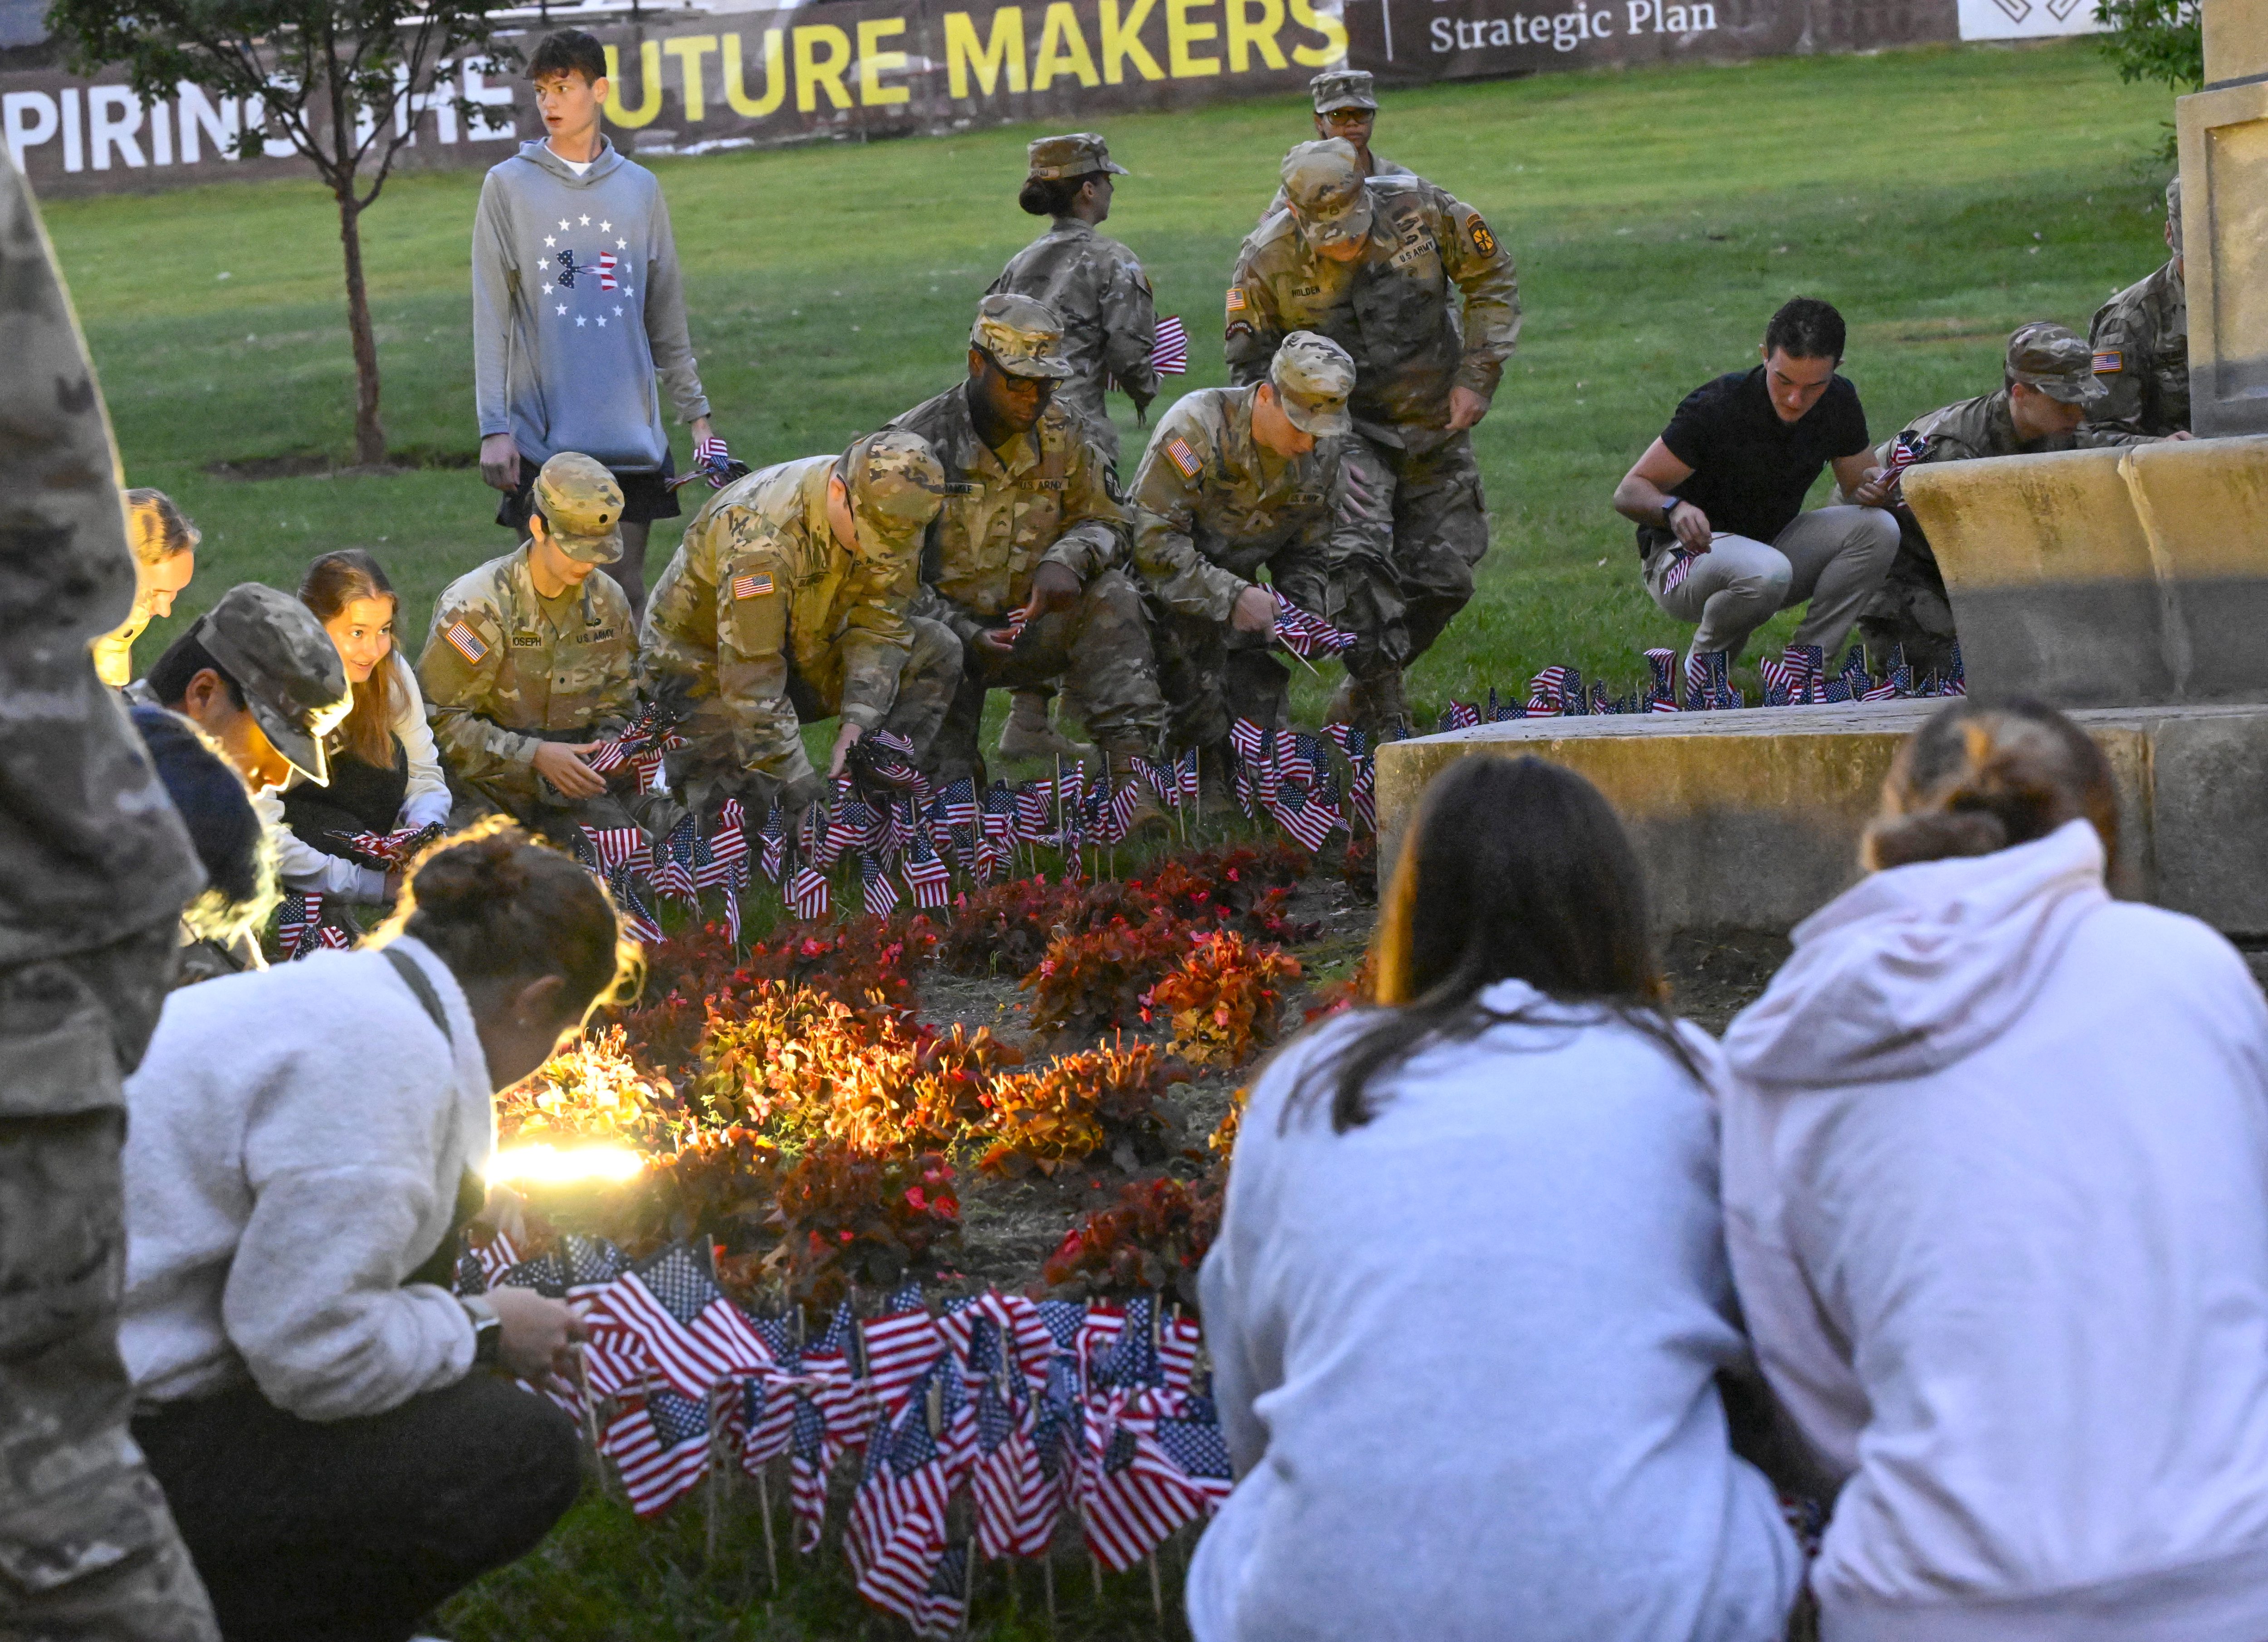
(460, 879)
(1932, 835)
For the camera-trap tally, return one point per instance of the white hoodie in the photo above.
(1996, 1188)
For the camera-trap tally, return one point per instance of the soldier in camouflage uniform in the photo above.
(96, 869)
(2047, 391)
(789, 599)
(1240, 479)
(1346, 107)
(1031, 530)
(1098, 289)
(532, 662)
(2140, 340)
(1376, 266)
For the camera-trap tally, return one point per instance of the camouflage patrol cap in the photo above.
(1343, 88)
(582, 508)
(2056, 361)
(1023, 335)
(287, 666)
(1323, 183)
(1078, 155)
(897, 485)
(1312, 376)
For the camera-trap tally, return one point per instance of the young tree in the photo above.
(344, 81)
(2155, 40)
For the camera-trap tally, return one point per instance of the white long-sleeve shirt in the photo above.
(300, 865)
(1996, 1183)
(295, 1141)
(1464, 1355)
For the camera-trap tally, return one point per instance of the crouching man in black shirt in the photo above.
(1717, 499)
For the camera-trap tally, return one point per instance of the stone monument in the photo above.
(2129, 586)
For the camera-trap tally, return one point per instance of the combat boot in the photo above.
(1117, 770)
(1379, 706)
(1029, 734)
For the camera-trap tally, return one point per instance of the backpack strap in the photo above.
(415, 980)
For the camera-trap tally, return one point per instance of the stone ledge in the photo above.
(1751, 820)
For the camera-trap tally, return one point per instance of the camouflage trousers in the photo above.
(87, 1547)
(1099, 648)
(713, 764)
(536, 805)
(1441, 532)
(1211, 674)
(1911, 608)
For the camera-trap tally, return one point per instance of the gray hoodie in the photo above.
(576, 305)
(1996, 1193)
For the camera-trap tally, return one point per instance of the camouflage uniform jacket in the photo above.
(1212, 504)
(2141, 344)
(1050, 501)
(1983, 427)
(1379, 167)
(761, 584)
(1392, 309)
(91, 850)
(497, 674)
(1098, 289)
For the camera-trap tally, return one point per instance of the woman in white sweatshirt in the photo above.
(1469, 1295)
(385, 771)
(1996, 1184)
(302, 1144)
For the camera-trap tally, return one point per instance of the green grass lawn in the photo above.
(1939, 197)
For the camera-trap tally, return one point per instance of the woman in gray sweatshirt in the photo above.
(1471, 1296)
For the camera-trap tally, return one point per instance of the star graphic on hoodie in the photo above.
(580, 321)
(547, 291)
(564, 225)
(622, 245)
(550, 241)
(563, 306)
(586, 221)
(602, 321)
(543, 262)
(618, 310)
(606, 228)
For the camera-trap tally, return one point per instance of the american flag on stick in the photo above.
(1905, 450)
(1169, 355)
(660, 1448)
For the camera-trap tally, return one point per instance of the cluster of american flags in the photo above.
(1798, 677)
(981, 1428)
(305, 924)
(1289, 776)
(678, 866)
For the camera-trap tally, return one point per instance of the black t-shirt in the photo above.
(1750, 469)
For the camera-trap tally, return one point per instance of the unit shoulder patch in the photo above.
(1178, 450)
(2110, 362)
(1483, 241)
(753, 584)
(1237, 301)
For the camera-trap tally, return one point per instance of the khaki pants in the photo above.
(1834, 557)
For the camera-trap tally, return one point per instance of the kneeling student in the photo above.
(305, 1144)
(789, 599)
(1722, 537)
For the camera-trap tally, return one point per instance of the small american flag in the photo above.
(1308, 635)
(1662, 688)
(1307, 818)
(901, 1344)
(609, 849)
(1460, 716)
(926, 875)
(389, 849)
(1193, 1446)
(713, 462)
(1032, 800)
(1169, 355)
(771, 856)
(1905, 450)
(1956, 678)
(806, 894)
(660, 1448)
(878, 896)
(897, 1536)
(665, 1298)
(1681, 566)
(957, 802)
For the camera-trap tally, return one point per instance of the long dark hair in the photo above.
(1513, 869)
(331, 583)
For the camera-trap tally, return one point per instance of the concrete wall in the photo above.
(1751, 821)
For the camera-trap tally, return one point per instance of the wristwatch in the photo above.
(1669, 513)
(488, 1329)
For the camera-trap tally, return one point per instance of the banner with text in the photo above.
(699, 83)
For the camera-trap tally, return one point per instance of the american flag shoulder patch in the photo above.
(1184, 458)
(465, 642)
(2110, 362)
(1235, 297)
(754, 585)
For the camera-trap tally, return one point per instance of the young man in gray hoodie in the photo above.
(577, 307)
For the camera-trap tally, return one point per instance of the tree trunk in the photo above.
(370, 433)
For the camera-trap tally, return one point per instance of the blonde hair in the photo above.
(1977, 779)
(156, 528)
